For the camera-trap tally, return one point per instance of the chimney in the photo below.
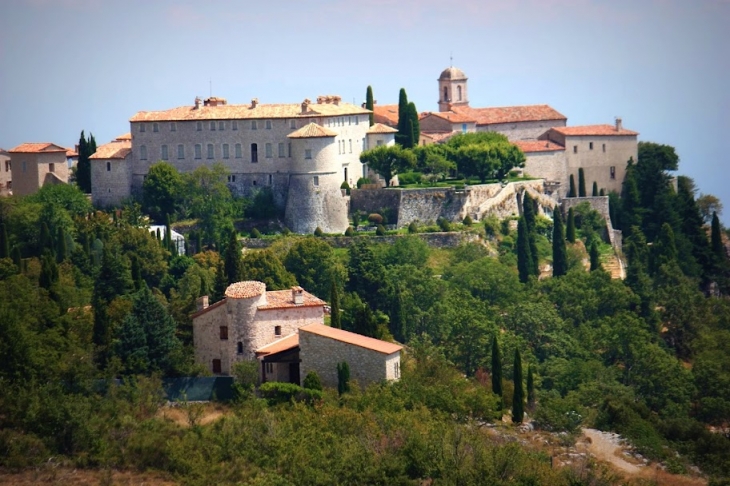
(297, 294)
(201, 303)
(197, 102)
(305, 105)
(254, 102)
(619, 126)
(336, 100)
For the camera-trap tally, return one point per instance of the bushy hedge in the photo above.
(275, 393)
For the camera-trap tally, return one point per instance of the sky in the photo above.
(660, 65)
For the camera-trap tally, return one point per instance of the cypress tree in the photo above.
(198, 242)
(716, 238)
(581, 183)
(572, 192)
(232, 257)
(631, 211)
(168, 236)
(343, 377)
(402, 136)
(335, 317)
(529, 211)
(595, 189)
(518, 398)
(83, 166)
(49, 272)
(221, 281)
(370, 104)
(525, 261)
(17, 259)
(414, 126)
(530, 388)
(497, 370)
(595, 257)
(45, 241)
(158, 235)
(4, 242)
(664, 249)
(570, 230)
(560, 251)
(602, 192)
(61, 248)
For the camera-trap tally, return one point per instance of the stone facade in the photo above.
(6, 179)
(111, 174)
(321, 348)
(600, 204)
(37, 164)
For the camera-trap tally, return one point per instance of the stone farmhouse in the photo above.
(285, 331)
(36, 164)
(6, 179)
(301, 152)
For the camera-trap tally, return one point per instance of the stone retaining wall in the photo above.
(600, 204)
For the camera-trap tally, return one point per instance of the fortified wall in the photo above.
(600, 204)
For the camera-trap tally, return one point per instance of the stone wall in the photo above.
(322, 354)
(110, 184)
(530, 130)
(600, 204)
(5, 173)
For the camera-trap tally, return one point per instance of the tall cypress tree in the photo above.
(581, 183)
(570, 230)
(631, 210)
(404, 129)
(572, 192)
(17, 258)
(716, 238)
(518, 398)
(525, 261)
(529, 211)
(4, 242)
(414, 126)
(595, 189)
(49, 272)
(664, 250)
(335, 317)
(595, 257)
(61, 248)
(168, 236)
(221, 281)
(370, 104)
(45, 241)
(560, 251)
(232, 257)
(530, 388)
(83, 166)
(497, 370)
(343, 377)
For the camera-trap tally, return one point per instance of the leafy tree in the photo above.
(266, 267)
(4, 242)
(160, 190)
(572, 192)
(707, 204)
(113, 279)
(653, 180)
(595, 257)
(570, 230)
(525, 261)
(434, 161)
(496, 369)
(366, 272)
(560, 252)
(335, 317)
(631, 210)
(595, 189)
(664, 250)
(518, 398)
(370, 104)
(314, 265)
(343, 377)
(388, 161)
(581, 183)
(232, 260)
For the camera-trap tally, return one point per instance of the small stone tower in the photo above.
(452, 89)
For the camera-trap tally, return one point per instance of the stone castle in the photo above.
(303, 152)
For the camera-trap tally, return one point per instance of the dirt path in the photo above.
(606, 447)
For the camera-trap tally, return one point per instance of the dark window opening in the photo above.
(108, 166)
(277, 330)
(613, 172)
(217, 366)
(240, 348)
(254, 152)
(224, 332)
(590, 145)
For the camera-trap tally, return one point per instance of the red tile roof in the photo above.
(594, 130)
(70, 153)
(289, 342)
(528, 146)
(113, 150)
(125, 136)
(245, 290)
(387, 114)
(438, 136)
(352, 338)
(510, 114)
(450, 116)
(380, 128)
(312, 130)
(33, 148)
(282, 299)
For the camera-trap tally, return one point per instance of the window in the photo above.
(225, 151)
(143, 152)
(575, 149)
(142, 128)
(364, 170)
(108, 166)
(7, 166)
(231, 178)
(350, 145)
(198, 150)
(307, 153)
(238, 151)
(345, 174)
(221, 126)
(590, 146)
(396, 369)
(216, 366)
(212, 126)
(268, 124)
(379, 143)
(281, 149)
(316, 180)
(234, 125)
(254, 182)
(164, 154)
(173, 127)
(458, 93)
(155, 127)
(463, 128)
(446, 93)
(292, 124)
(254, 152)
(349, 120)
(269, 368)
(268, 151)
(239, 347)
(277, 330)
(210, 150)
(604, 147)
(357, 120)
(181, 151)
(613, 172)
(253, 125)
(199, 126)
(224, 332)
(339, 148)
(51, 167)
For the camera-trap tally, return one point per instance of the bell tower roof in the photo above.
(452, 74)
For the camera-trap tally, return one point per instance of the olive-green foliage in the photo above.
(380, 230)
(312, 381)
(349, 231)
(314, 265)
(161, 190)
(265, 266)
(318, 232)
(276, 393)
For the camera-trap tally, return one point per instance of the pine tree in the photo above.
(581, 183)
(664, 250)
(4, 242)
(595, 189)
(232, 257)
(335, 317)
(518, 398)
(595, 257)
(530, 388)
(497, 370)
(572, 192)
(560, 251)
(570, 230)
(524, 256)
(370, 104)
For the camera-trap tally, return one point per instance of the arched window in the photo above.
(446, 93)
(458, 93)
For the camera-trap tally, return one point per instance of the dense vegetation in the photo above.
(88, 296)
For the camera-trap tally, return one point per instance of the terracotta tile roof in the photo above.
(387, 114)
(450, 116)
(113, 150)
(352, 338)
(32, 148)
(380, 128)
(289, 342)
(281, 299)
(70, 153)
(245, 290)
(312, 130)
(238, 112)
(528, 146)
(510, 114)
(125, 136)
(439, 136)
(595, 130)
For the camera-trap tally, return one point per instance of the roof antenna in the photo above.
(451, 59)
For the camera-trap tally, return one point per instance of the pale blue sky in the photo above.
(661, 65)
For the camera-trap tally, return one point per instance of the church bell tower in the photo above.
(452, 89)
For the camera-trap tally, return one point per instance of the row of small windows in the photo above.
(283, 151)
(341, 146)
(590, 147)
(340, 121)
(218, 125)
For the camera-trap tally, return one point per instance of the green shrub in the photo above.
(491, 226)
(467, 220)
(349, 231)
(380, 230)
(363, 180)
(255, 233)
(345, 186)
(357, 217)
(413, 228)
(375, 219)
(407, 178)
(444, 224)
(276, 393)
(318, 232)
(312, 381)
(285, 231)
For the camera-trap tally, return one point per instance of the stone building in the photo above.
(111, 180)
(36, 164)
(6, 176)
